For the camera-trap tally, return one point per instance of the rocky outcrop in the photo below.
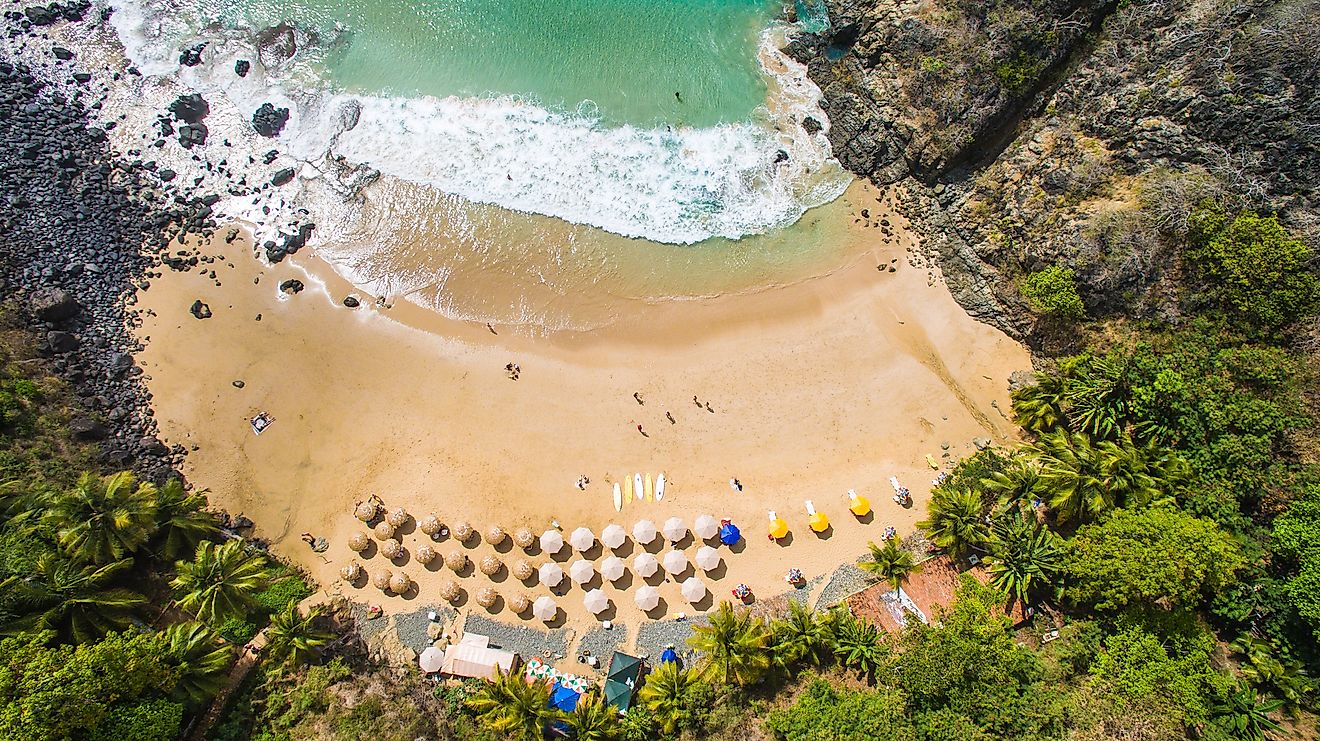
(269, 121)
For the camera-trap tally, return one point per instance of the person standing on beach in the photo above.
(671, 419)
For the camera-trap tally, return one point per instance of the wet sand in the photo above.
(835, 381)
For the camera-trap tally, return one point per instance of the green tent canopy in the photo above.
(622, 679)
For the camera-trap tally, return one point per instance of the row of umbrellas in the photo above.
(644, 532)
(613, 567)
(646, 597)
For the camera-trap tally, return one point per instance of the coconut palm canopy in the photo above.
(519, 603)
(582, 539)
(552, 541)
(486, 597)
(581, 571)
(647, 597)
(397, 517)
(675, 562)
(462, 531)
(612, 568)
(645, 565)
(523, 569)
(545, 608)
(456, 560)
(550, 574)
(450, 590)
(613, 535)
(674, 529)
(705, 526)
(383, 531)
(707, 558)
(693, 589)
(381, 580)
(523, 537)
(399, 583)
(491, 565)
(365, 511)
(358, 542)
(644, 531)
(429, 525)
(221, 580)
(425, 554)
(495, 535)
(595, 601)
(391, 548)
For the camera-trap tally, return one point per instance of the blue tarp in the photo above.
(729, 533)
(564, 698)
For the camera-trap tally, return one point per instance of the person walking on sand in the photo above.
(637, 396)
(670, 417)
(639, 429)
(696, 401)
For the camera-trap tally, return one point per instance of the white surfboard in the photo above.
(660, 487)
(637, 486)
(618, 497)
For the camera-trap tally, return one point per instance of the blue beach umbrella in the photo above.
(669, 656)
(729, 533)
(564, 698)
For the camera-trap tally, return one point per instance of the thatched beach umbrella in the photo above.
(647, 597)
(545, 608)
(383, 531)
(523, 537)
(707, 558)
(495, 535)
(456, 560)
(552, 542)
(358, 542)
(644, 531)
(391, 548)
(675, 562)
(581, 571)
(429, 525)
(693, 589)
(550, 574)
(486, 597)
(582, 539)
(490, 565)
(595, 601)
(425, 554)
(351, 571)
(366, 511)
(613, 536)
(462, 531)
(519, 603)
(381, 580)
(398, 517)
(612, 568)
(523, 569)
(674, 529)
(399, 583)
(450, 591)
(645, 565)
(705, 526)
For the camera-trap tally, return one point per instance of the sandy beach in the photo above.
(832, 381)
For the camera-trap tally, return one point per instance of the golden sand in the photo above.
(837, 381)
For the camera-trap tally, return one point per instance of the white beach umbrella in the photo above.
(582, 539)
(675, 562)
(545, 608)
(647, 597)
(613, 536)
(693, 589)
(645, 564)
(431, 659)
(611, 568)
(581, 571)
(595, 601)
(550, 574)
(551, 541)
(705, 526)
(674, 529)
(644, 531)
(707, 558)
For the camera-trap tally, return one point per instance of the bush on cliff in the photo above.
(1053, 292)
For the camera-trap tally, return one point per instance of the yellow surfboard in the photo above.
(650, 489)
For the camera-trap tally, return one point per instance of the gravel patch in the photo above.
(411, 626)
(368, 629)
(845, 580)
(654, 636)
(526, 642)
(602, 644)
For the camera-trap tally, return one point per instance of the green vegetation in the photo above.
(1053, 292)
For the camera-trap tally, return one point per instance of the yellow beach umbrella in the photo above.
(859, 505)
(778, 528)
(819, 522)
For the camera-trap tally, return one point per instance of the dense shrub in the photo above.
(1053, 292)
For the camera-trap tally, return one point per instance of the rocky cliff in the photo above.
(1074, 132)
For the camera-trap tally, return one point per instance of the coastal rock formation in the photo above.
(190, 109)
(269, 120)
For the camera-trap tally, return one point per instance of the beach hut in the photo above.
(462, 531)
(431, 659)
(613, 535)
(391, 548)
(644, 531)
(495, 535)
(519, 603)
(778, 528)
(450, 591)
(705, 526)
(645, 565)
(550, 574)
(729, 532)
(366, 511)
(429, 525)
(486, 597)
(381, 580)
(456, 560)
(351, 571)
(595, 601)
(675, 562)
(490, 565)
(582, 539)
(693, 589)
(612, 568)
(621, 680)
(398, 517)
(582, 571)
(707, 558)
(817, 520)
(647, 597)
(523, 537)
(383, 531)
(545, 609)
(473, 657)
(552, 542)
(358, 542)
(858, 505)
(425, 554)
(674, 529)
(523, 569)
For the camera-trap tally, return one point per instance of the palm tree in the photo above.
(1016, 484)
(954, 520)
(891, 563)
(858, 645)
(292, 639)
(75, 600)
(182, 520)
(737, 646)
(102, 519)
(1285, 678)
(1246, 716)
(514, 708)
(802, 635)
(593, 720)
(1085, 480)
(202, 658)
(220, 581)
(1097, 396)
(668, 695)
(1023, 555)
(1039, 408)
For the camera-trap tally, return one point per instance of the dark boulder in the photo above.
(269, 121)
(39, 16)
(86, 428)
(282, 177)
(200, 310)
(351, 302)
(292, 286)
(61, 342)
(192, 56)
(811, 125)
(61, 53)
(190, 108)
(241, 67)
(53, 305)
(191, 135)
(166, 175)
